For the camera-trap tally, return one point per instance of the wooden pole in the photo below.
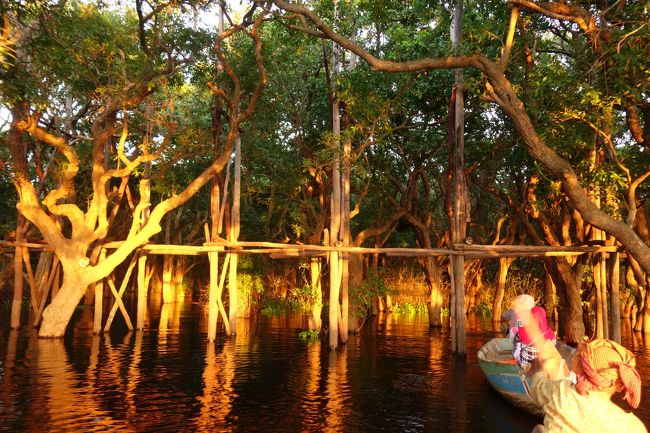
(213, 311)
(616, 297)
(17, 301)
(459, 201)
(143, 281)
(51, 285)
(222, 309)
(118, 298)
(335, 203)
(142, 291)
(345, 238)
(99, 298)
(30, 279)
(603, 285)
(315, 322)
(599, 289)
(233, 291)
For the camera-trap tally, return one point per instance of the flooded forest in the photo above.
(317, 193)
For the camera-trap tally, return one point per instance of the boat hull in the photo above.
(505, 375)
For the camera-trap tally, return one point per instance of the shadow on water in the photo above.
(397, 376)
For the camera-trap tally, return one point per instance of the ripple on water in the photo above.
(397, 375)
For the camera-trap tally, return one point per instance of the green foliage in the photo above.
(276, 306)
(523, 280)
(483, 309)
(308, 335)
(409, 309)
(364, 296)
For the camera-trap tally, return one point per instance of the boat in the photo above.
(507, 377)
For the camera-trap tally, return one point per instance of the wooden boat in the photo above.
(507, 377)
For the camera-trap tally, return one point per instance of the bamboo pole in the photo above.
(335, 202)
(32, 245)
(43, 269)
(49, 286)
(142, 291)
(598, 288)
(233, 291)
(281, 250)
(345, 238)
(603, 284)
(118, 298)
(222, 309)
(17, 301)
(459, 199)
(213, 312)
(142, 278)
(30, 279)
(616, 297)
(315, 322)
(266, 247)
(99, 298)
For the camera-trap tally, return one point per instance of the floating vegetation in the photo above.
(309, 334)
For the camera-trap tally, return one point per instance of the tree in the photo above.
(500, 91)
(117, 77)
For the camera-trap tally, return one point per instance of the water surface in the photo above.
(397, 376)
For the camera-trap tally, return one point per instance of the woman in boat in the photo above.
(527, 313)
(580, 401)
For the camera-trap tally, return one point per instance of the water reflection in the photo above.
(336, 391)
(397, 375)
(311, 402)
(218, 393)
(67, 400)
(459, 391)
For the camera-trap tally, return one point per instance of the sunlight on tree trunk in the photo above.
(57, 315)
(315, 321)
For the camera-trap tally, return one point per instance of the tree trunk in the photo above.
(499, 294)
(568, 284)
(57, 315)
(550, 302)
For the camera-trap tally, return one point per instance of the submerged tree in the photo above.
(501, 91)
(116, 70)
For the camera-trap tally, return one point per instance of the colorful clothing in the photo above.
(605, 364)
(566, 411)
(523, 349)
(523, 353)
(539, 315)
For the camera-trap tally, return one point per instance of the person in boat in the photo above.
(581, 400)
(527, 313)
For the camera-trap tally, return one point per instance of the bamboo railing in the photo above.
(283, 250)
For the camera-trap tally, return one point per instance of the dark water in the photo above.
(397, 376)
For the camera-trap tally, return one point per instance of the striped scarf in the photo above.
(605, 365)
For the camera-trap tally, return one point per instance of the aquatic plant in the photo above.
(309, 334)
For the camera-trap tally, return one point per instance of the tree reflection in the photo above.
(218, 384)
(337, 390)
(70, 397)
